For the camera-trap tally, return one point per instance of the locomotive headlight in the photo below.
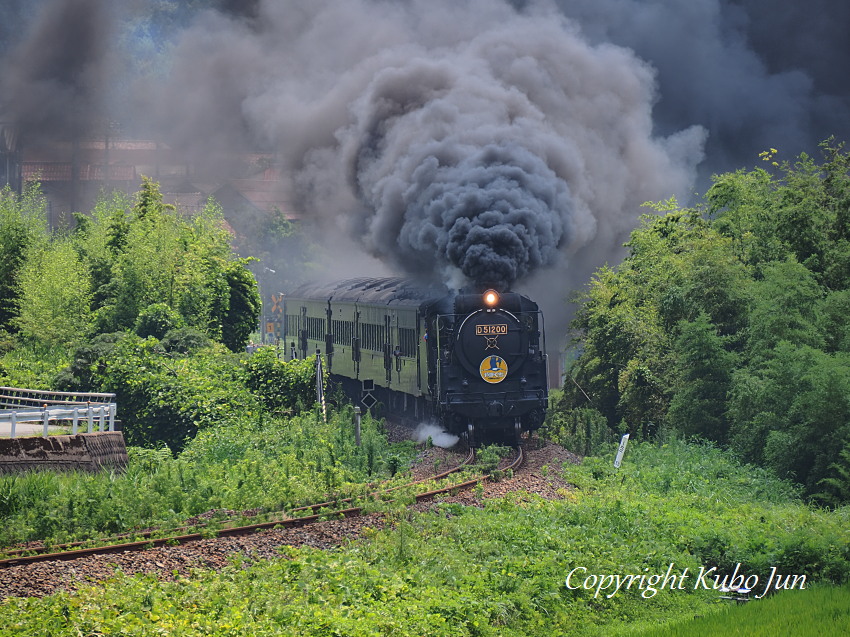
(491, 298)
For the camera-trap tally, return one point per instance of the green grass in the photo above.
(818, 612)
(497, 570)
(273, 464)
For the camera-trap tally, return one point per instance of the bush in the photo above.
(583, 431)
(184, 340)
(282, 387)
(156, 320)
(163, 399)
(79, 375)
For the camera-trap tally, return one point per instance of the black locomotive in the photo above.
(474, 362)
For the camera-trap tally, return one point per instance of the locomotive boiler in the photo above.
(475, 362)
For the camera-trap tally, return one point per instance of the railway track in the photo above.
(148, 542)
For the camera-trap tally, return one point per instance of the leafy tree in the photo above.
(729, 320)
(837, 485)
(282, 387)
(704, 372)
(156, 320)
(831, 315)
(54, 307)
(142, 252)
(243, 308)
(23, 225)
(784, 309)
(793, 413)
(185, 340)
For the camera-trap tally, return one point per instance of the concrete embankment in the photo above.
(83, 452)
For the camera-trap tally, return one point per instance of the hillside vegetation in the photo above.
(728, 322)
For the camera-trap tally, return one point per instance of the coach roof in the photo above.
(378, 291)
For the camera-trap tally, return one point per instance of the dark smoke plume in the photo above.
(755, 74)
(52, 84)
(459, 141)
(471, 141)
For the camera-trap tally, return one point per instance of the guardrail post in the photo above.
(111, 416)
(357, 426)
(76, 421)
(45, 417)
(90, 415)
(14, 423)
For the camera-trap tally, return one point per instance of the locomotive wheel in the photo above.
(517, 432)
(470, 434)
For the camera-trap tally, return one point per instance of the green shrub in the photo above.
(583, 430)
(156, 320)
(184, 340)
(166, 400)
(282, 387)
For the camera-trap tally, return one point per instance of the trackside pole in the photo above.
(320, 389)
(357, 417)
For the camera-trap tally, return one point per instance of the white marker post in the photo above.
(320, 389)
(619, 459)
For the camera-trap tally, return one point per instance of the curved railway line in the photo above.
(20, 557)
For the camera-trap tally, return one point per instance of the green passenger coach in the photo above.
(373, 337)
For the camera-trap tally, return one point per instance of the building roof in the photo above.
(62, 171)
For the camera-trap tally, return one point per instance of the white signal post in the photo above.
(619, 459)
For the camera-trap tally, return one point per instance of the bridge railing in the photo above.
(19, 405)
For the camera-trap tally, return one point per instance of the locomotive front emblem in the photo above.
(493, 369)
(491, 333)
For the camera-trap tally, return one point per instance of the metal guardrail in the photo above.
(35, 405)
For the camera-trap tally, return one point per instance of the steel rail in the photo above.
(17, 558)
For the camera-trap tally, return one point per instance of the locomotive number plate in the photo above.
(490, 330)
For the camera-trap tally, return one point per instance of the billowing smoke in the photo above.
(755, 73)
(475, 141)
(462, 141)
(52, 83)
(494, 149)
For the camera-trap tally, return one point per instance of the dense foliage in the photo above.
(137, 300)
(258, 463)
(130, 264)
(729, 322)
(23, 227)
(167, 394)
(495, 570)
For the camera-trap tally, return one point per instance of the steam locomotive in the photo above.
(474, 362)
